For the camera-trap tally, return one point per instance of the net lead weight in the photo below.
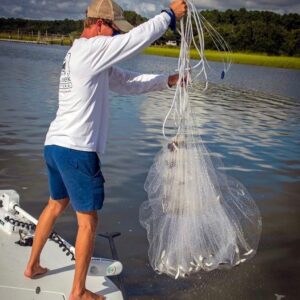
(177, 274)
(249, 252)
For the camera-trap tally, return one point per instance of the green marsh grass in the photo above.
(65, 41)
(237, 57)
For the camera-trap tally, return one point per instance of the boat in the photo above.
(16, 235)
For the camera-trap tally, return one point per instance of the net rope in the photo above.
(196, 216)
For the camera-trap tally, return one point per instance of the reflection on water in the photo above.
(255, 133)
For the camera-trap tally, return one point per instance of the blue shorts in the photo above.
(77, 175)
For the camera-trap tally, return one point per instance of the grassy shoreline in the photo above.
(237, 57)
(56, 40)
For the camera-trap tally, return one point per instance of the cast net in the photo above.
(196, 216)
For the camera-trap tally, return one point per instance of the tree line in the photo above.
(250, 31)
(258, 31)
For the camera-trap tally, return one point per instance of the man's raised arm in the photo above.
(107, 51)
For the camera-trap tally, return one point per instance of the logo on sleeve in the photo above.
(65, 83)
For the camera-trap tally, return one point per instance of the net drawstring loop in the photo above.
(194, 25)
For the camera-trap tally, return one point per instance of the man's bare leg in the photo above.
(84, 247)
(44, 227)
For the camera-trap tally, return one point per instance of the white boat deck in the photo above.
(56, 285)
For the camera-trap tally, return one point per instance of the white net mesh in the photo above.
(196, 216)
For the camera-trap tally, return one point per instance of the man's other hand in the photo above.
(173, 80)
(179, 8)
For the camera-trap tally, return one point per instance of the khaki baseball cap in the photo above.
(109, 10)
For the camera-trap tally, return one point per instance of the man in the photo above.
(78, 134)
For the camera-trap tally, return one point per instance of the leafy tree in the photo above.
(257, 31)
(134, 18)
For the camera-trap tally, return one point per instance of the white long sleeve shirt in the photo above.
(88, 73)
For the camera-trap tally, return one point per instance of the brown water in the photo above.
(252, 121)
